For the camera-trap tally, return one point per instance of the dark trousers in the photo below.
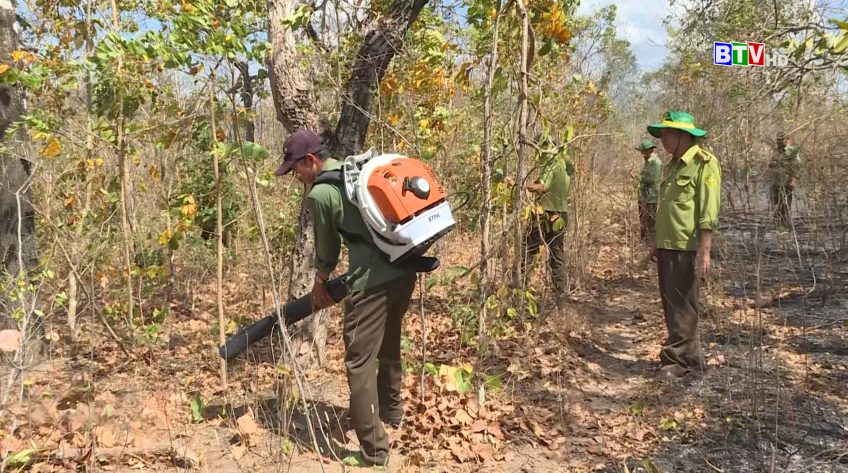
(781, 202)
(647, 220)
(545, 230)
(679, 290)
(372, 327)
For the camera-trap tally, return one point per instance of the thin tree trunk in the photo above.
(522, 143)
(486, 177)
(126, 226)
(89, 152)
(485, 221)
(219, 231)
(247, 101)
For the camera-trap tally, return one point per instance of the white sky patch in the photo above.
(639, 22)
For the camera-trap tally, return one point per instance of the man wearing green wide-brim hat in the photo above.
(687, 216)
(677, 121)
(649, 189)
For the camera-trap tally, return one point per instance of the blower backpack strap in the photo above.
(421, 264)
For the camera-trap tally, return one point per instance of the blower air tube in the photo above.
(293, 311)
(301, 308)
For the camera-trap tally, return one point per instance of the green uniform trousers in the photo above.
(372, 329)
(541, 232)
(679, 290)
(781, 201)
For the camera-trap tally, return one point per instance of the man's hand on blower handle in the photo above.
(320, 297)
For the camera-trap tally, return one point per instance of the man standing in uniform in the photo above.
(552, 188)
(379, 295)
(784, 171)
(687, 215)
(649, 190)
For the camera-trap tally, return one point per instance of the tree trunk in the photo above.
(295, 108)
(519, 279)
(486, 177)
(294, 104)
(219, 232)
(373, 58)
(18, 249)
(247, 100)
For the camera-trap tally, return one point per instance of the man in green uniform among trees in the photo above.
(548, 227)
(687, 216)
(649, 189)
(379, 295)
(784, 171)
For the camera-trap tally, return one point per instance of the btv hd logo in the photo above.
(745, 54)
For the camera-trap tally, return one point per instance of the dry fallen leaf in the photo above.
(10, 340)
(246, 425)
(106, 435)
(463, 417)
(238, 451)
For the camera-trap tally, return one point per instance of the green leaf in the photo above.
(648, 465)
(431, 281)
(492, 382)
(197, 408)
(842, 24)
(559, 224)
(841, 44)
(231, 3)
(463, 385)
(251, 150)
(286, 446)
(546, 48)
(638, 408)
(669, 423)
(431, 368)
(21, 458)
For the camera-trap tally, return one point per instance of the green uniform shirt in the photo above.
(650, 179)
(690, 196)
(556, 177)
(785, 166)
(367, 265)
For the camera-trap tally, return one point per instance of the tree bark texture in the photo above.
(18, 250)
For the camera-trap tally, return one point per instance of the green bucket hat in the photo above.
(679, 121)
(646, 145)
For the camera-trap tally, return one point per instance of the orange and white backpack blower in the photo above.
(403, 205)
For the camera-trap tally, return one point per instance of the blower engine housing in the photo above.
(403, 205)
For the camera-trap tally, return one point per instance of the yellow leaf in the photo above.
(52, 149)
(24, 56)
(231, 327)
(165, 237)
(188, 210)
(4, 68)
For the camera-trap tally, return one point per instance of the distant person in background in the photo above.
(784, 171)
(687, 216)
(552, 190)
(649, 190)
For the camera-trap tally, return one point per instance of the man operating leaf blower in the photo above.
(388, 210)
